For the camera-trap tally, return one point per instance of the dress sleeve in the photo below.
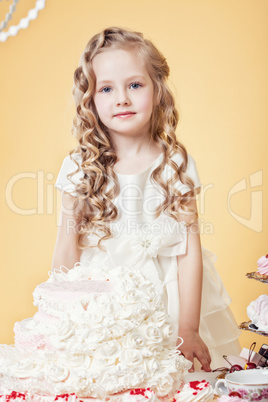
(191, 171)
(68, 166)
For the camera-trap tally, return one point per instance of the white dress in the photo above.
(139, 238)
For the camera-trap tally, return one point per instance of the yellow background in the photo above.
(216, 50)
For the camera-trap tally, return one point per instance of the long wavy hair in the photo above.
(94, 209)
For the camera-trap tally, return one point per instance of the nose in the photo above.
(122, 99)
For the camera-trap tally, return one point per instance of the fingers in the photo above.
(205, 360)
(206, 367)
(191, 370)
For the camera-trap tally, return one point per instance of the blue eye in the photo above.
(135, 85)
(106, 90)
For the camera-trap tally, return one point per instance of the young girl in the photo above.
(129, 190)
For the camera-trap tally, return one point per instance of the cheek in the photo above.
(146, 102)
(101, 106)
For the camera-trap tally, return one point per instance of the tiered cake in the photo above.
(98, 332)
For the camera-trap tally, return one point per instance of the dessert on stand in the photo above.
(262, 271)
(258, 309)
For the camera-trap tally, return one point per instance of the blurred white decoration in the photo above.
(24, 22)
(12, 8)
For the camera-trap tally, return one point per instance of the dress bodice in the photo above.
(137, 232)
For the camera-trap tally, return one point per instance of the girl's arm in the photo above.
(66, 252)
(190, 273)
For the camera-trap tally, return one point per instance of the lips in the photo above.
(124, 114)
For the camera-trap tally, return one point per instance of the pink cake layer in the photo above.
(62, 292)
(27, 340)
(72, 291)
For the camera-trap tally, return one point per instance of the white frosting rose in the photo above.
(24, 368)
(132, 278)
(78, 360)
(131, 296)
(142, 311)
(164, 385)
(156, 348)
(146, 352)
(96, 335)
(159, 317)
(153, 364)
(57, 373)
(169, 365)
(182, 365)
(168, 331)
(153, 334)
(108, 350)
(65, 329)
(131, 357)
(135, 377)
(133, 340)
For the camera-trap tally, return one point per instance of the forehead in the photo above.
(114, 63)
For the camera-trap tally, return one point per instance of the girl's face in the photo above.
(124, 96)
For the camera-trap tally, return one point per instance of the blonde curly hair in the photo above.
(94, 209)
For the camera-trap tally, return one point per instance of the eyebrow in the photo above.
(136, 77)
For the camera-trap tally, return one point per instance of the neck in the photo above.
(131, 147)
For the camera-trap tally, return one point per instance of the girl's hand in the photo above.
(193, 346)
